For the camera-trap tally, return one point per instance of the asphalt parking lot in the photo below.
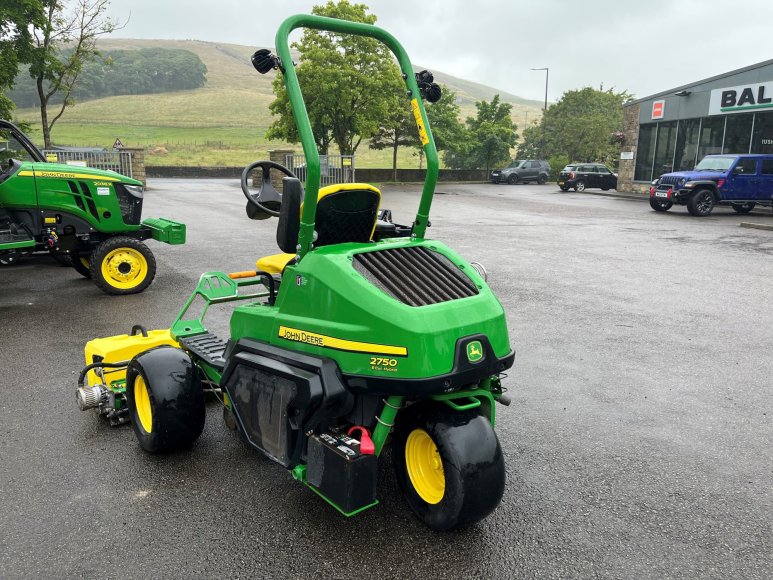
(638, 444)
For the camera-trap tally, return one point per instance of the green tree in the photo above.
(15, 44)
(443, 116)
(581, 126)
(488, 140)
(124, 72)
(348, 84)
(400, 131)
(61, 45)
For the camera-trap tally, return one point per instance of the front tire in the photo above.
(122, 265)
(165, 399)
(448, 464)
(701, 203)
(512, 180)
(744, 207)
(579, 186)
(658, 205)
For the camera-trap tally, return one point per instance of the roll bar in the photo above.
(308, 216)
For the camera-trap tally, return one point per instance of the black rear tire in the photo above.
(61, 258)
(8, 258)
(473, 468)
(658, 205)
(701, 203)
(744, 207)
(165, 399)
(122, 265)
(542, 179)
(81, 264)
(564, 188)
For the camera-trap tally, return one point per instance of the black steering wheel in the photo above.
(265, 202)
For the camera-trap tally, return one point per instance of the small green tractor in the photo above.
(85, 217)
(362, 335)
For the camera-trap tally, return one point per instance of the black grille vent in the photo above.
(416, 276)
(131, 207)
(669, 180)
(89, 199)
(77, 196)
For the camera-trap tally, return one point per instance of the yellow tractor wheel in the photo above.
(122, 265)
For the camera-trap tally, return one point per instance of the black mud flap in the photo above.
(279, 395)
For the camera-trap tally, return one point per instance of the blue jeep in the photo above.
(741, 181)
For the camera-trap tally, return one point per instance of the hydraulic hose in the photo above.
(108, 365)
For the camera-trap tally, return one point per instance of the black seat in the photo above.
(346, 212)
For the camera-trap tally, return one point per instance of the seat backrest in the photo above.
(346, 212)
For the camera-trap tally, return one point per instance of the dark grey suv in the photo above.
(522, 171)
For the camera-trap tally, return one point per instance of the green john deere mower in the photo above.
(361, 334)
(88, 218)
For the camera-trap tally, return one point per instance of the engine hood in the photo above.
(695, 175)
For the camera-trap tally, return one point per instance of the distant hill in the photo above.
(226, 119)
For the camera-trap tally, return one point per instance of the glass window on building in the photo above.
(762, 139)
(664, 150)
(687, 144)
(645, 152)
(738, 133)
(712, 132)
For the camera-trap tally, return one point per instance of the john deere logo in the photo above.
(474, 351)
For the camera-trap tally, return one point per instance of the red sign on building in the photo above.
(658, 109)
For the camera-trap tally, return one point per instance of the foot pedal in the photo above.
(208, 347)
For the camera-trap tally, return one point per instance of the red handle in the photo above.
(366, 443)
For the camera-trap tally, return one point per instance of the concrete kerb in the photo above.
(768, 227)
(618, 194)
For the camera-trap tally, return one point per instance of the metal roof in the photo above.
(700, 82)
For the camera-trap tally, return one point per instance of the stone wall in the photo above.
(362, 175)
(277, 156)
(194, 172)
(418, 175)
(630, 140)
(138, 163)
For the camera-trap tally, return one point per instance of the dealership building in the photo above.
(674, 129)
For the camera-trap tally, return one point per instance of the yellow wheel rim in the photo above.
(142, 404)
(425, 468)
(124, 268)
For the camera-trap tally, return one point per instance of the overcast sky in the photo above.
(642, 47)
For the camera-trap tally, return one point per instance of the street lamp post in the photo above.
(547, 74)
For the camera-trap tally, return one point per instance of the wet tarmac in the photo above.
(638, 444)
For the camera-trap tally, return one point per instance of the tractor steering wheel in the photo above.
(266, 201)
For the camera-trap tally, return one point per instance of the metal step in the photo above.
(14, 236)
(208, 347)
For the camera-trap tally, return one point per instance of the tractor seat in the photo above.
(346, 212)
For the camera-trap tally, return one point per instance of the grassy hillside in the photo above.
(224, 122)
